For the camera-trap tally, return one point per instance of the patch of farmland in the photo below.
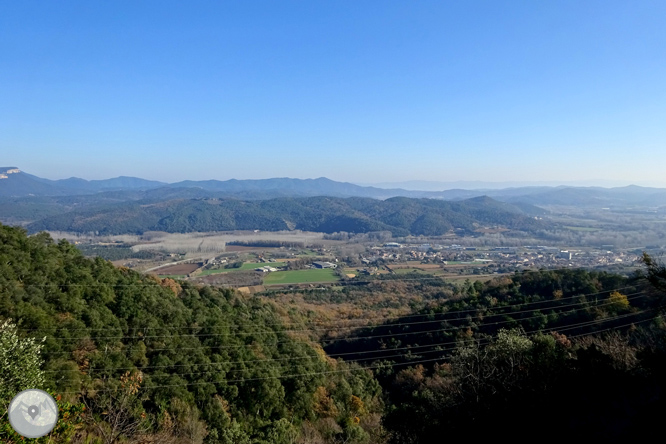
(429, 266)
(253, 265)
(300, 277)
(238, 248)
(414, 264)
(409, 270)
(248, 266)
(179, 269)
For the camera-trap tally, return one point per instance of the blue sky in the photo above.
(359, 91)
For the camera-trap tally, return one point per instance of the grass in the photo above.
(252, 265)
(301, 277)
(217, 271)
(245, 267)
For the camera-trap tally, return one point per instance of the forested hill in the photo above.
(571, 301)
(537, 356)
(399, 215)
(176, 363)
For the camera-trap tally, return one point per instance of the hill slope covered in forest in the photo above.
(399, 215)
(219, 365)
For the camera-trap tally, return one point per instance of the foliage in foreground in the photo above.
(154, 359)
(607, 389)
(140, 359)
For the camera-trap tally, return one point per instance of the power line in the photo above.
(226, 347)
(269, 360)
(560, 328)
(290, 358)
(349, 320)
(484, 341)
(384, 365)
(452, 344)
(189, 335)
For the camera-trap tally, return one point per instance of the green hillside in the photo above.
(400, 216)
(217, 365)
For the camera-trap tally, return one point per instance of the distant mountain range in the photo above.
(429, 185)
(21, 184)
(131, 205)
(16, 184)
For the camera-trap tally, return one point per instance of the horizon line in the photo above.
(409, 185)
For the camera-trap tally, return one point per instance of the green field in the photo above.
(245, 267)
(253, 265)
(300, 277)
(217, 271)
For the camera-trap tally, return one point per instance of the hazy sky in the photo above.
(360, 91)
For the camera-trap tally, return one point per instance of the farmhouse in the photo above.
(324, 265)
(266, 269)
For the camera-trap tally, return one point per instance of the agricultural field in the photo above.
(217, 271)
(244, 248)
(411, 270)
(350, 272)
(248, 266)
(301, 277)
(307, 253)
(466, 263)
(178, 270)
(252, 265)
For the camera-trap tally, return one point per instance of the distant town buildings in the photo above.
(565, 254)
